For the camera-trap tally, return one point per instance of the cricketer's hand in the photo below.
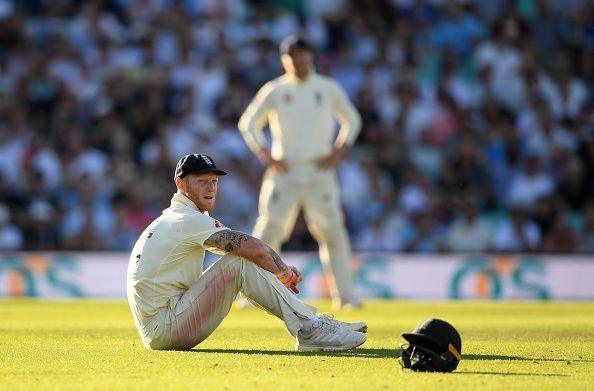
(290, 279)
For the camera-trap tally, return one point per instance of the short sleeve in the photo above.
(200, 227)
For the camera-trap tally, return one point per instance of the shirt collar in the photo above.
(179, 200)
(293, 79)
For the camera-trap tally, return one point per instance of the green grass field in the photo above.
(93, 345)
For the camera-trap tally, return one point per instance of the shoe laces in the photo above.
(327, 322)
(328, 317)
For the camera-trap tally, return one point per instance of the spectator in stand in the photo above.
(423, 233)
(542, 134)
(571, 91)
(469, 232)
(382, 231)
(123, 234)
(40, 231)
(517, 233)
(504, 149)
(11, 237)
(459, 29)
(88, 218)
(544, 28)
(530, 184)
(501, 55)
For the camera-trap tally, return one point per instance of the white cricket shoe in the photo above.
(354, 326)
(326, 334)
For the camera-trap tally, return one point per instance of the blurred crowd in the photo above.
(478, 117)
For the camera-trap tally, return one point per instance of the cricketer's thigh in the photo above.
(325, 219)
(194, 315)
(278, 209)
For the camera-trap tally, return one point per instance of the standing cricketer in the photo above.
(176, 305)
(301, 108)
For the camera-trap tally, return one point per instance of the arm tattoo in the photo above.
(230, 240)
(277, 260)
(227, 240)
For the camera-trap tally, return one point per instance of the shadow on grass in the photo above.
(487, 357)
(382, 353)
(365, 353)
(508, 373)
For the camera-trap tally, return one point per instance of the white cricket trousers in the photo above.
(316, 191)
(193, 316)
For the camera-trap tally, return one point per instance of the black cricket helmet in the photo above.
(433, 346)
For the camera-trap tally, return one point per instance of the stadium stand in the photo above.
(478, 117)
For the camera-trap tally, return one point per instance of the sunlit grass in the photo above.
(93, 345)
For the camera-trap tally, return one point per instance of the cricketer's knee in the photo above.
(331, 235)
(193, 316)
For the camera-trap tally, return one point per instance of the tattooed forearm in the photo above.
(277, 260)
(227, 240)
(244, 245)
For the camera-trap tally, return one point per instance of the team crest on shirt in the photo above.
(218, 224)
(288, 97)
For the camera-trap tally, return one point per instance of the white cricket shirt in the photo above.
(302, 116)
(168, 257)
